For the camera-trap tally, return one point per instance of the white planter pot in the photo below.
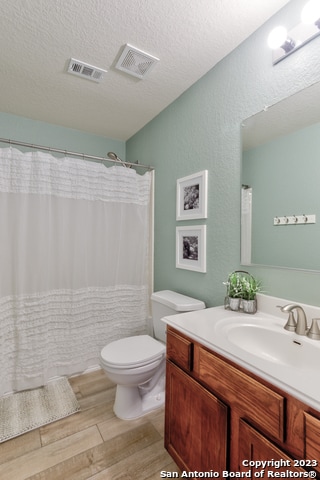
(234, 304)
(249, 306)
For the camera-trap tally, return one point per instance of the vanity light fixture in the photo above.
(311, 13)
(283, 43)
(278, 38)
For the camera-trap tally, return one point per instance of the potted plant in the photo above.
(250, 288)
(234, 290)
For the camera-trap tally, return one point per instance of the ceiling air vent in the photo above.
(85, 70)
(136, 62)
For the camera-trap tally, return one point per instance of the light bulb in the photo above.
(277, 37)
(311, 12)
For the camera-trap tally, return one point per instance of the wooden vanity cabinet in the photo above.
(219, 414)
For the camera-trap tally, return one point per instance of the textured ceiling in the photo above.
(38, 38)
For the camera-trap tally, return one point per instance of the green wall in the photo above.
(13, 127)
(201, 130)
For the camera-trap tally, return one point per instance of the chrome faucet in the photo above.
(300, 325)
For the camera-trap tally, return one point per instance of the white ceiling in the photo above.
(38, 38)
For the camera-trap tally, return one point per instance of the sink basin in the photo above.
(260, 344)
(270, 342)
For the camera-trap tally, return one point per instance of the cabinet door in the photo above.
(255, 447)
(313, 439)
(195, 424)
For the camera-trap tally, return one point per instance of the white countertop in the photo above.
(203, 327)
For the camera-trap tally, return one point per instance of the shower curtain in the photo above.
(74, 263)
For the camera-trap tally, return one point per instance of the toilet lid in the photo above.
(132, 351)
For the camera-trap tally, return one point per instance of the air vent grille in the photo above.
(85, 70)
(136, 62)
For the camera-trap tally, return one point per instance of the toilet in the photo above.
(137, 364)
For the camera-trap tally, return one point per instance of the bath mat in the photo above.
(30, 409)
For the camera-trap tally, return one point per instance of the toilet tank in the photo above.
(166, 303)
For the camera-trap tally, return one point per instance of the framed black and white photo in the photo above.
(192, 194)
(191, 248)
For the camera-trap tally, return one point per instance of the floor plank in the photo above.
(91, 444)
(27, 465)
(96, 459)
(20, 446)
(75, 423)
(140, 465)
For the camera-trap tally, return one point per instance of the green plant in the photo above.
(250, 287)
(234, 285)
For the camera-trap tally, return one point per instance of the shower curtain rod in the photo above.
(68, 153)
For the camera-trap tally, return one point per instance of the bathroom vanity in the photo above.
(226, 412)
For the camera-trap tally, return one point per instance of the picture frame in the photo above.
(192, 193)
(191, 248)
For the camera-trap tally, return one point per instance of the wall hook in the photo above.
(294, 220)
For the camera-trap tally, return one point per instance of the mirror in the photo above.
(280, 194)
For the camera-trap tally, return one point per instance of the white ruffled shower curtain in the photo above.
(74, 263)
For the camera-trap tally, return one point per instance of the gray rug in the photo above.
(30, 409)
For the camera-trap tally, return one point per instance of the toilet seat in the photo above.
(132, 352)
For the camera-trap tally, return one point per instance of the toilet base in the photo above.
(132, 402)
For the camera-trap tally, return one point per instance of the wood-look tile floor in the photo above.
(91, 444)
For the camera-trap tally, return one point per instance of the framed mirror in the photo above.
(280, 193)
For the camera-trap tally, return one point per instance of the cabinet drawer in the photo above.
(254, 401)
(179, 350)
(312, 438)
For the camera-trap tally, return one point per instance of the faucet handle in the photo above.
(281, 307)
(291, 324)
(314, 330)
